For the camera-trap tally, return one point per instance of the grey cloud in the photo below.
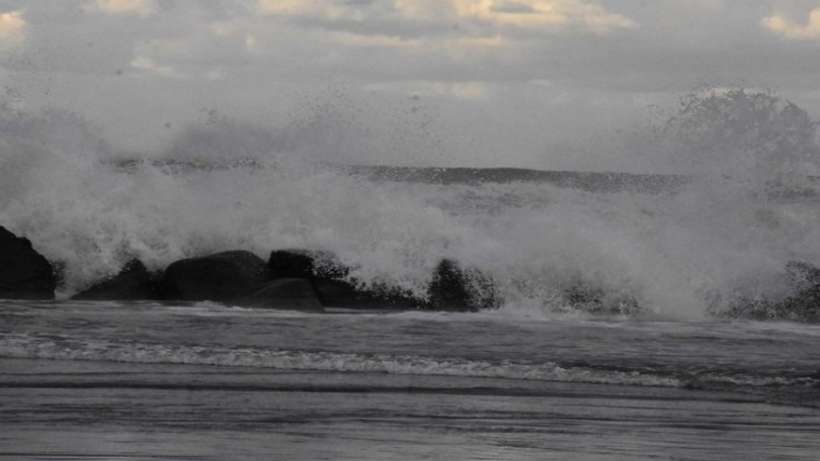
(674, 48)
(392, 27)
(512, 7)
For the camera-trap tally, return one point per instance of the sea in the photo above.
(650, 361)
(142, 381)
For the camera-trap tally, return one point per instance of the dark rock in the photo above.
(803, 275)
(221, 277)
(309, 264)
(290, 294)
(328, 277)
(133, 282)
(803, 305)
(59, 268)
(339, 293)
(456, 289)
(24, 273)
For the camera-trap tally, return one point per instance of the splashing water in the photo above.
(729, 232)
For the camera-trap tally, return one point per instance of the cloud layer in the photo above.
(502, 65)
(481, 16)
(132, 7)
(12, 29)
(792, 30)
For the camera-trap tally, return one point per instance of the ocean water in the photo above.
(148, 381)
(645, 369)
(612, 340)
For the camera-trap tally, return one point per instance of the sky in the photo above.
(534, 83)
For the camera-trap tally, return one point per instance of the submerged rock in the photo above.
(133, 282)
(456, 289)
(24, 273)
(221, 277)
(290, 294)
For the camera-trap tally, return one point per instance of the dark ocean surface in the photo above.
(146, 381)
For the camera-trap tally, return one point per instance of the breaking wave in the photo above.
(679, 249)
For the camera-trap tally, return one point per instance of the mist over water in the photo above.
(749, 208)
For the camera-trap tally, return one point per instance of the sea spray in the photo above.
(678, 253)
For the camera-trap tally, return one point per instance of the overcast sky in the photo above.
(507, 82)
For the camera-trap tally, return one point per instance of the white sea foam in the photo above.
(32, 347)
(25, 346)
(675, 254)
